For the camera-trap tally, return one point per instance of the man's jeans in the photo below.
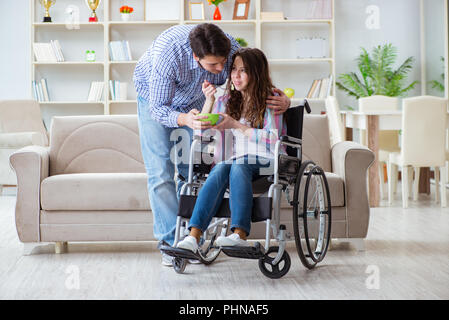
(159, 155)
(238, 176)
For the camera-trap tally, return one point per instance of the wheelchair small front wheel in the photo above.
(179, 264)
(274, 271)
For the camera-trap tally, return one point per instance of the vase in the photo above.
(217, 14)
(125, 16)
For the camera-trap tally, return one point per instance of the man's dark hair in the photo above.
(208, 39)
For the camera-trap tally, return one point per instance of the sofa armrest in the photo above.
(31, 165)
(351, 160)
(16, 140)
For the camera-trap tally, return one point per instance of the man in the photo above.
(168, 80)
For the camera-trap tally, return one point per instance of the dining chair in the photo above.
(337, 131)
(423, 145)
(388, 139)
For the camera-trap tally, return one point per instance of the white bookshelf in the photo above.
(275, 37)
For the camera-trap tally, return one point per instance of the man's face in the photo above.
(213, 64)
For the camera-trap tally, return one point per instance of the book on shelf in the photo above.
(40, 90)
(120, 51)
(320, 88)
(269, 15)
(319, 9)
(96, 91)
(118, 90)
(48, 52)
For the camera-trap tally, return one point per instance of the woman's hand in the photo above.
(279, 103)
(209, 90)
(227, 122)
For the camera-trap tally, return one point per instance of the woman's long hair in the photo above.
(259, 87)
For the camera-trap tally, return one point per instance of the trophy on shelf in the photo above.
(47, 4)
(93, 4)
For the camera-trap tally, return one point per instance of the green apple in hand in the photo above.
(289, 92)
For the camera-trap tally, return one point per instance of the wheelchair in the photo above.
(310, 201)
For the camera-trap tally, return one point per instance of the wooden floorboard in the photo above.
(407, 251)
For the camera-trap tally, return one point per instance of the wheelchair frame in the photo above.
(280, 183)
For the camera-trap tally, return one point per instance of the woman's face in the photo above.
(239, 76)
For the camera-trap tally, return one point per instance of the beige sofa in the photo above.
(90, 183)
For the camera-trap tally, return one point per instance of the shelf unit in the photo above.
(275, 37)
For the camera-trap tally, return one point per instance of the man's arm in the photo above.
(162, 88)
(279, 103)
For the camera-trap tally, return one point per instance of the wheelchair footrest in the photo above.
(179, 253)
(252, 252)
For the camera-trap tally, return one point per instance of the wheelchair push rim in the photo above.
(313, 219)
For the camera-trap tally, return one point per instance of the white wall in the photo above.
(15, 69)
(434, 34)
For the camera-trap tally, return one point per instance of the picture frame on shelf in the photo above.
(196, 11)
(156, 10)
(241, 9)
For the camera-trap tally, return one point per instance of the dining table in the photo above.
(373, 122)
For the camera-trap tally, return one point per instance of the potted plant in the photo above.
(377, 76)
(125, 12)
(217, 14)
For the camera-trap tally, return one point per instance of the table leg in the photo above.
(373, 173)
(424, 180)
(348, 131)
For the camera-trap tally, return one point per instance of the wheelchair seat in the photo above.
(262, 184)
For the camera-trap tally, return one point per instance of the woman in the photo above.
(255, 130)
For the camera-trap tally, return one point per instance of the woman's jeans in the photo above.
(160, 145)
(238, 176)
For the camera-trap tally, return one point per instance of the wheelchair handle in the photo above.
(307, 106)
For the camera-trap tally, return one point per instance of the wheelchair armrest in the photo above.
(291, 141)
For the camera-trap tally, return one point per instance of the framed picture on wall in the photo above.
(241, 8)
(162, 10)
(196, 11)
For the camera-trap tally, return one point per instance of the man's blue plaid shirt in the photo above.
(170, 79)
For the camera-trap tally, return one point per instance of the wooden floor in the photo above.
(406, 257)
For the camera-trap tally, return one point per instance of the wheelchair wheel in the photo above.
(208, 252)
(274, 271)
(313, 220)
(179, 264)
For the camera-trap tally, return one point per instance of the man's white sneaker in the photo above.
(231, 241)
(189, 243)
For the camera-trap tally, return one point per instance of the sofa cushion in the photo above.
(91, 144)
(95, 191)
(336, 190)
(123, 191)
(316, 144)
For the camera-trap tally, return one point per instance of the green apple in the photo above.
(289, 92)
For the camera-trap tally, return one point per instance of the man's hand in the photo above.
(279, 103)
(209, 90)
(191, 120)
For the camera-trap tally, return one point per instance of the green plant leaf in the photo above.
(377, 76)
